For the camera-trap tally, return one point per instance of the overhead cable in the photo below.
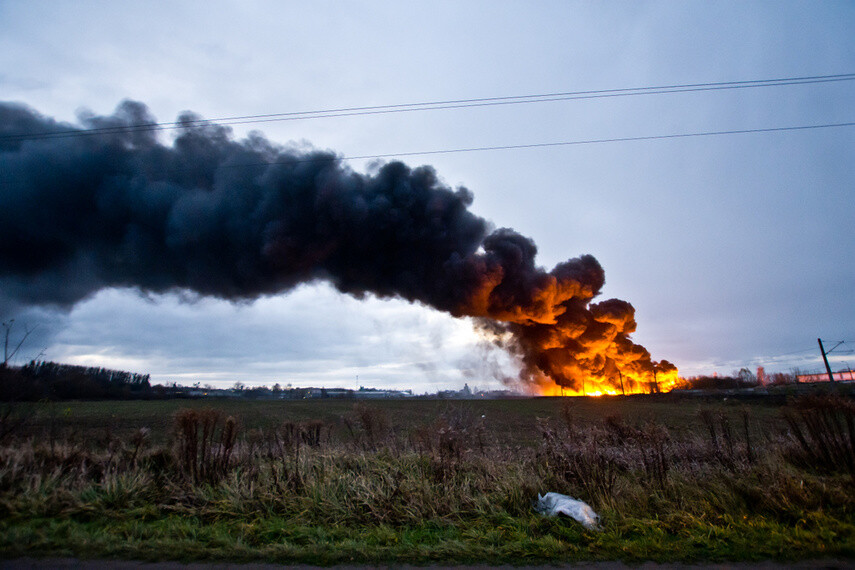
(562, 143)
(441, 105)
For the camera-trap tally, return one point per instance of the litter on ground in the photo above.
(554, 504)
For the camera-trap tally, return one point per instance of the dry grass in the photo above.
(447, 473)
(824, 427)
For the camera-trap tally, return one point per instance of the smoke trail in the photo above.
(242, 219)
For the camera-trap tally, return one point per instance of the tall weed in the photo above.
(205, 441)
(823, 430)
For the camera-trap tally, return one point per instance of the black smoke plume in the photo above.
(105, 204)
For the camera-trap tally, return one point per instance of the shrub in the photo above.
(823, 428)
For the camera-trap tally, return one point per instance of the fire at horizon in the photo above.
(594, 387)
(239, 220)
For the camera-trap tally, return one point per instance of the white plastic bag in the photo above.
(554, 504)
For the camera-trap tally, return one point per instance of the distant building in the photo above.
(840, 375)
(375, 394)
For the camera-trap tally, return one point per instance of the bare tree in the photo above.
(9, 353)
(12, 416)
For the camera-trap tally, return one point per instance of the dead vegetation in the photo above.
(448, 469)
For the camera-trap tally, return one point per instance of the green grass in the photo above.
(418, 482)
(516, 540)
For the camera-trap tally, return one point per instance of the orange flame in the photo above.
(663, 381)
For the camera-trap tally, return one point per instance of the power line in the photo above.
(812, 349)
(512, 100)
(443, 105)
(778, 358)
(531, 145)
(557, 144)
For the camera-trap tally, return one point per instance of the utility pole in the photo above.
(825, 359)
(622, 391)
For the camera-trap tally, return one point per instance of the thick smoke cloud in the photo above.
(106, 204)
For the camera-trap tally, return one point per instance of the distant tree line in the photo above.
(55, 381)
(742, 378)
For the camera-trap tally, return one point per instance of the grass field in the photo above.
(327, 481)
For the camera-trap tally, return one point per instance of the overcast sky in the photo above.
(735, 250)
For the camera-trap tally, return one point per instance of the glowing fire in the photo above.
(556, 390)
(662, 381)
